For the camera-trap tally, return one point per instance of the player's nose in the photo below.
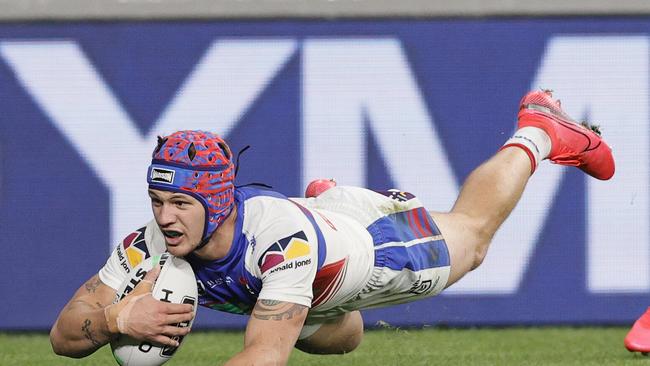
(166, 215)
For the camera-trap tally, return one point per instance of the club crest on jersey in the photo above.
(161, 175)
(282, 254)
(135, 250)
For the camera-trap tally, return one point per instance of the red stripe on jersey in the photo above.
(417, 226)
(426, 221)
(327, 282)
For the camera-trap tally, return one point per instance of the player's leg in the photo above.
(335, 336)
(485, 201)
(492, 190)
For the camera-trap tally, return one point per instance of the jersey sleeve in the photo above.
(112, 274)
(132, 250)
(286, 256)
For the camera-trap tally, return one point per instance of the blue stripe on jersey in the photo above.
(417, 257)
(403, 227)
(322, 249)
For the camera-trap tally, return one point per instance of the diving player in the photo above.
(302, 268)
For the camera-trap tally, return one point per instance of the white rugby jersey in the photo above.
(346, 249)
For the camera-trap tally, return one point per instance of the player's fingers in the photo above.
(177, 308)
(179, 318)
(172, 331)
(152, 275)
(147, 282)
(165, 341)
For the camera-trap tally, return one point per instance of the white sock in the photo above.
(534, 141)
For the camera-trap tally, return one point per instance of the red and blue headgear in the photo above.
(200, 164)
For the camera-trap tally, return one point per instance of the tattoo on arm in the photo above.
(89, 334)
(92, 285)
(276, 310)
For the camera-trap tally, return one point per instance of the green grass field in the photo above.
(510, 346)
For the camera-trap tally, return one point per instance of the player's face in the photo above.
(180, 217)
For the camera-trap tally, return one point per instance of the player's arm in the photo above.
(81, 326)
(271, 333)
(90, 320)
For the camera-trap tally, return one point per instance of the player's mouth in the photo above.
(172, 237)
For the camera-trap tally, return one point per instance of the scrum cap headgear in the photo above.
(200, 164)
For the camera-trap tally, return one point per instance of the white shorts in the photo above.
(411, 257)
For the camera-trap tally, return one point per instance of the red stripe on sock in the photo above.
(533, 164)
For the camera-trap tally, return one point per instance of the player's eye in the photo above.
(156, 202)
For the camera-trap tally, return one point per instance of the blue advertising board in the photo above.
(413, 104)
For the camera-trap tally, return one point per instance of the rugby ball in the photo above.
(175, 284)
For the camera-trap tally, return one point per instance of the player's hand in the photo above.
(142, 317)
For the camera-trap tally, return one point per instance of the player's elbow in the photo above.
(60, 345)
(62, 350)
(56, 341)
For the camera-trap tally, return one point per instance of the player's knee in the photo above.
(348, 344)
(340, 336)
(481, 248)
(353, 340)
(342, 345)
(479, 255)
(353, 343)
(481, 236)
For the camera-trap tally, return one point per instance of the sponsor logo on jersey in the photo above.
(219, 281)
(422, 287)
(397, 195)
(161, 175)
(135, 249)
(282, 254)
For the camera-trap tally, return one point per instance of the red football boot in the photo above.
(318, 186)
(638, 338)
(572, 143)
